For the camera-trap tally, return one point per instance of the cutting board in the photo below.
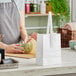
(27, 56)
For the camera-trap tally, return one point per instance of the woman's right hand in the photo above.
(14, 48)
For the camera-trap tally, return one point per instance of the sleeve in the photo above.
(20, 4)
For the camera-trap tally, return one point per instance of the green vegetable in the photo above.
(27, 47)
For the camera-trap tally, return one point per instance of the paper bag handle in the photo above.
(49, 24)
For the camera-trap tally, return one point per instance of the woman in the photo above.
(12, 25)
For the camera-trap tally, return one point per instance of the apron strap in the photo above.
(15, 4)
(12, 0)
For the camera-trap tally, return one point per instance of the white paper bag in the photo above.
(48, 49)
(48, 54)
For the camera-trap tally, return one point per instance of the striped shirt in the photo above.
(19, 3)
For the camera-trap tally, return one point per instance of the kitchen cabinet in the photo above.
(38, 22)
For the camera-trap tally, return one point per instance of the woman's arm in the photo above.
(23, 32)
(13, 48)
(2, 45)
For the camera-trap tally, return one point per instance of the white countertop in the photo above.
(28, 67)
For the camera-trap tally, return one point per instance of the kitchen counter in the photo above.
(28, 67)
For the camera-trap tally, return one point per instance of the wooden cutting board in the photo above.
(27, 56)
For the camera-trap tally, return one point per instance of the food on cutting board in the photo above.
(29, 47)
(34, 35)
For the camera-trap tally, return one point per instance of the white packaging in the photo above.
(43, 8)
(55, 40)
(46, 54)
(48, 47)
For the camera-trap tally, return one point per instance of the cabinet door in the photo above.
(36, 24)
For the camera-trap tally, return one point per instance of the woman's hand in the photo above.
(26, 41)
(14, 48)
